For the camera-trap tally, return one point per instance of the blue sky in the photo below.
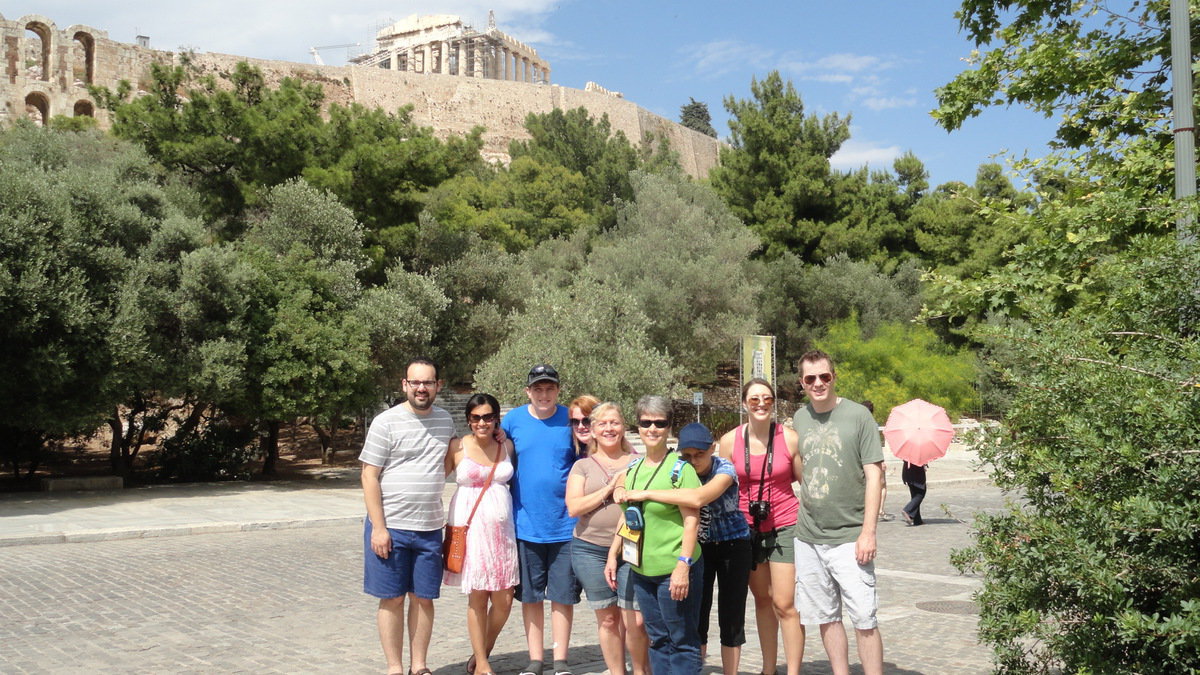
(878, 60)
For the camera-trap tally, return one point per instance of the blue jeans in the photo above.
(671, 624)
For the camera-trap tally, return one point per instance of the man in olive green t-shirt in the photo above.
(835, 529)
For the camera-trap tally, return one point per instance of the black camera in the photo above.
(760, 509)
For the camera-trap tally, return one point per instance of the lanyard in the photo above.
(636, 469)
(766, 467)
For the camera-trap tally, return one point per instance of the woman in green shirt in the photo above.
(659, 541)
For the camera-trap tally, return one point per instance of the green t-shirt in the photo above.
(835, 446)
(664, 522)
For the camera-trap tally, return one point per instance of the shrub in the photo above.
(901, 362)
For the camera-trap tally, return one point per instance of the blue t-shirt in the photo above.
(721, 519)
(544, 456)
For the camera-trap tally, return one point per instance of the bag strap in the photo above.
(486, 485)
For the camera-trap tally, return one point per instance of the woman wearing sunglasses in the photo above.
(590, 499)
(659, 541)
(579, 413)
(767, 459)
(489, 573)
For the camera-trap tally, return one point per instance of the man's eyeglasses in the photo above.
(657, 424)
(761, 400)
(581, 421)
(476, 419)
(825, 377)
(417, 384)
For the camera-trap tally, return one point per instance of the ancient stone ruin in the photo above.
(442, 43)
(453, 77)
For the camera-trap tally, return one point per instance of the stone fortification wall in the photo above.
(454, 105)
(47, 70)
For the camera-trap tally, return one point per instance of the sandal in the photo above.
(534, 668)
(471, 666)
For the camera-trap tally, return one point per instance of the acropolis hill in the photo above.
(453, 76)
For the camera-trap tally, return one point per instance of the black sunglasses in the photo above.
(825, 377)
(658, 424)
(489, 417)
(581, 422)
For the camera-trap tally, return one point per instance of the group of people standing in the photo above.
(558, 502)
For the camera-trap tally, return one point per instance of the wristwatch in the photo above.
(687, 560)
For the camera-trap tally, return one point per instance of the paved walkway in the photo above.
(335, 499)
(272, 583)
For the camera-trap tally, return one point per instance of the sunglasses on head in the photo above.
(489, 417)
(825, 377)
(581, 421)
(658, 424)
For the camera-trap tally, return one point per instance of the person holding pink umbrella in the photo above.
(917, 432)
(914, 477)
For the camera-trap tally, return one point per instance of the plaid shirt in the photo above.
(721, 520)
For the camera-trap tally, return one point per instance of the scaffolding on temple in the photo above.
(443, 44)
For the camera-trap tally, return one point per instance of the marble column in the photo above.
(460, 59)
(504, 63)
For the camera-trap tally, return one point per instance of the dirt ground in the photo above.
(300, 450)
(299, 459)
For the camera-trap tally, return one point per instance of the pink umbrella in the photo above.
(918, 431)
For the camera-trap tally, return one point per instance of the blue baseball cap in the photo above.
(695, 435)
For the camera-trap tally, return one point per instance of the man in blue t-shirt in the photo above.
(541, 439)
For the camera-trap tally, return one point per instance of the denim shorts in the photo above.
(414, 564)
(546, 573)
(588, 561)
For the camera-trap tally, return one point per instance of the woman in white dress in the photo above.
(484, 467)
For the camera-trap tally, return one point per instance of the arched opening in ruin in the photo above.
(37, 51)
(83, 62)
(84, 108)
(37, 107)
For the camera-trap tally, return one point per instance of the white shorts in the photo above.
(828, 578)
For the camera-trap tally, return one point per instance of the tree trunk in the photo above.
(270, 448)
(193, 420)
(326, 438)
(116, 450)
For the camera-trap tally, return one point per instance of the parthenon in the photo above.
(442, 43)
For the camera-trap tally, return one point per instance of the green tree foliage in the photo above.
(1096, 572)
(899, 363)
(775, 175)
(1103, 68)
(798, 301)
(594, 335)
(234, 136)
(1094, 332)
(584, 145)
(694, 115)
(297, 337)
(515, 206)
(964, 231)
(82, 222)
(679, 251)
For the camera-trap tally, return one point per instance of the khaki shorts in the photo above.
(828, 578)
(776, 546)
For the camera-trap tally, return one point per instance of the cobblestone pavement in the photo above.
(290, 601)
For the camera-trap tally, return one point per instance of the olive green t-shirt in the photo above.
(835, 446)
(664, 522)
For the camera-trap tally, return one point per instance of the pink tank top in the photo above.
(778, 486)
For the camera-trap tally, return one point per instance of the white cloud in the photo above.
(889, 102)
(721, 57)
(854, 154)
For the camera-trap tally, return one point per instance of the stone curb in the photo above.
(172, 531)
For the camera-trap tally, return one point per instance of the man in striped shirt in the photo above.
(403, 476)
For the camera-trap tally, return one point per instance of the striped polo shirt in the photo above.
(411, 450)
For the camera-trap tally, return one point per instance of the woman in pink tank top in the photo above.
(766, 456)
